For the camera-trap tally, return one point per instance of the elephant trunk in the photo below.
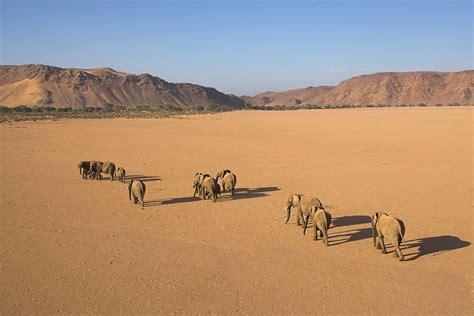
(288, 209)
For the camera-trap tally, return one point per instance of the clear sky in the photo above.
(241, 47)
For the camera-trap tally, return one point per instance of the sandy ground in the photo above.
(72, 245)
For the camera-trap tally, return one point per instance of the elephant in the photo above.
(385, 226)
(98, 167)
(303, 205)
(83, 168)
(209, 189)
(218, 187)
(321, 221)
(121, 174)
(93, 172)
(136, 191)
(229, 180)
(108, 168)
(197, 183)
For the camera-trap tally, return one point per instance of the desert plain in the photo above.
(70, 245)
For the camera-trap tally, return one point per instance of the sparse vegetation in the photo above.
(25, 113)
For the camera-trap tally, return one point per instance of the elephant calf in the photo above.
(321, 221)
(387, 227)
(136, 191)
(121, 174)
(229, 180)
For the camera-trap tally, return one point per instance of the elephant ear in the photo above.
(375, 217)
(296, 199)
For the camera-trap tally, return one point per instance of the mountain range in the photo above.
(35, 85)
(388, 88)
(38, 85)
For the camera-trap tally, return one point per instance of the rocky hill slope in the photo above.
(390, 88)
(36, 85)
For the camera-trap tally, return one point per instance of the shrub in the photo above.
(22, 109)
(4, 109)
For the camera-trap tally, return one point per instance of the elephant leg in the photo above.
(298, 219)
(325, 237)
(232, 191)
(140, 198)
(134, 198)
(398, 252)
(382, 244)
(315, 232)
(377, 243)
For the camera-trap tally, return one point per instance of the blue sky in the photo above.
(241, 47)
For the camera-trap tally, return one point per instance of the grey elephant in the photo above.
(390, 228)
(83, 168)
(93, 172)
(197, 182)
(303, 204)
(209, 189)
(321, 221)
(98, 167)
(136, 191)
(121, 174)
(229, 180)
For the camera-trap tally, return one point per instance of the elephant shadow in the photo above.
(351, 220)
(185, 199)
(142, 178)
(240, 193)
(248, 193)
(341, 237)
(349, 235)
(433, 245)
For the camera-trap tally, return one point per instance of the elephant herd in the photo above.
(209, 188)
(92, 169)
(384, 227)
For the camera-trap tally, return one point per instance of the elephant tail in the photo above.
(327, 219)
(112, 171)
(401, 233)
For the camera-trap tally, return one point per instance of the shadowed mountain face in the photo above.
(390, 88)
(32, 85)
